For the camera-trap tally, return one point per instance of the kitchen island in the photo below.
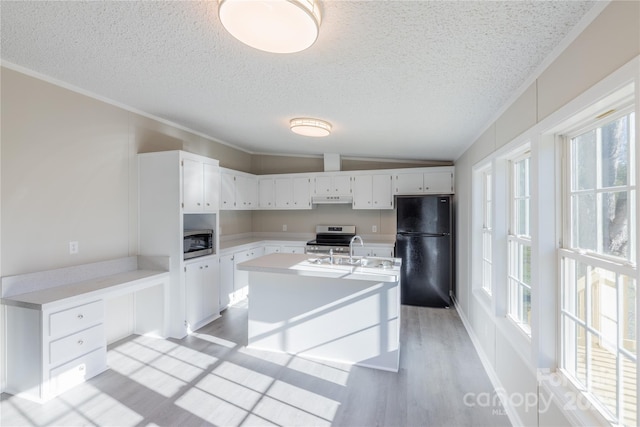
(334, 311)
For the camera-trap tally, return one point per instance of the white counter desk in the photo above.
(342, 312)
(54, 320)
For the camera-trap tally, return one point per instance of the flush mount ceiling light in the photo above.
(278, 26)
(310, 127)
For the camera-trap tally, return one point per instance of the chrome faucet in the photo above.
(353, 239)
(331, 256)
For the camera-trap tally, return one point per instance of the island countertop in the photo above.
(304, 265)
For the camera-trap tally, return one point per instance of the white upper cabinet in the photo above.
(301, 192)
(228, 191)
(246, 192)
(284, 192)
(372, 191)
(266, 193)
(239, 191)
(436, 181)
(211, 187)
(332, 185)
(200, 186)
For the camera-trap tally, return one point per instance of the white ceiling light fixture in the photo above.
(310, 127)
(278, 26)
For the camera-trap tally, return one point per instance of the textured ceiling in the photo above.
(397, 79)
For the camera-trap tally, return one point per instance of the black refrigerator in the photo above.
(424, 241)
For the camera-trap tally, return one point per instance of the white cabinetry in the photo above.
(436, 181)
(372, 191)
(378, 251)
(200, 186)
(167, 180)
(284, 192)
(332, 185)
(266, 193)
(241, 278)
(202, 291)
(239, 190)
(51, 351)
(227, 268)
(290, 248)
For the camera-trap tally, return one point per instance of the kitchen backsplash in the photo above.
(305, 221)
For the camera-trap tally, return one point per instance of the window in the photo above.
(598, 287)
(486, 229)
(519, 242)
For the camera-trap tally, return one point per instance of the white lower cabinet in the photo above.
(241, 278)
(201, 288)
(50, 351)
(374, 251)
(227, 268)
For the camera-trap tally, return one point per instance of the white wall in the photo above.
(608, 43)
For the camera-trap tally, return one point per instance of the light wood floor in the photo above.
(211, 378)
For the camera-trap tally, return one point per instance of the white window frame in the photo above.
(487, 229)
(517, 244)
(570, 256)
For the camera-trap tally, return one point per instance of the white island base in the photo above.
(338, 314)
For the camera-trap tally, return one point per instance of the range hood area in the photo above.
(331, 200)
(332, 163)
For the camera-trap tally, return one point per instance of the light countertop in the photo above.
(300, 264)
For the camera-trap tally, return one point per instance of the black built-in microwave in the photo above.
(198, 243)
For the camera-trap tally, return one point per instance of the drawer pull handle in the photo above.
(80, 316)
(80, 342)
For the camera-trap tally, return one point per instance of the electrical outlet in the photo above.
(74, 247)
(284, 227)
(374, 228)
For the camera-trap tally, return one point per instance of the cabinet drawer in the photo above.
(76, 345)
(78, 370)
(75, 319)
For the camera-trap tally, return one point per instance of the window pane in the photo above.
(615, 153)
(581, 289)
(583, 218)
(583, 149)
(615, 224)
(629, 392)
(603, 373)
(629, 318)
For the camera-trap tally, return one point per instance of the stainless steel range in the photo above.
(328, 237)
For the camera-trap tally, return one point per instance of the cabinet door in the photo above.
(228, 191)
(211, 187)
(382, 252)
(293, 249)
(210, 302)
(193, 294)
(271, 250)
(246, 192)
(381, 192)
(227, 268)
(284, 193)
(361, 251)
(266, 193)
(322, 185)
(362, 191)
(342, 184)
(192, 185)
(302, 193)
(409, 183)
(438, 183)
